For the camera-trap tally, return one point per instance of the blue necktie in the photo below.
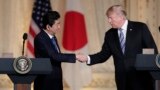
(54, 42)
(122, 40)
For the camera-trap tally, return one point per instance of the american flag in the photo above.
(39, 9)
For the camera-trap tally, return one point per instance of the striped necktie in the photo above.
(122, 40)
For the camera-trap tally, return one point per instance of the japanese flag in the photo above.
(75, 40)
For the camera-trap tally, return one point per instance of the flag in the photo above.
(39, 9)
(75, 40)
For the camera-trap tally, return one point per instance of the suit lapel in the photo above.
(48, 41)
(129, 36)
(117, 42)
(57, 44)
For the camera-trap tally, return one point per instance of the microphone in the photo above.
(24, 38)
(159, 28)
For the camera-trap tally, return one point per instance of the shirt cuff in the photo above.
(89, 60)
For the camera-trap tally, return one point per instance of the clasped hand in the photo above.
(81, 57)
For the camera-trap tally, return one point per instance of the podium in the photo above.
(150, 63)
(39, 66)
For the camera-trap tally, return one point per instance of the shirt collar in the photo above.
(124, 27)
(50, 36)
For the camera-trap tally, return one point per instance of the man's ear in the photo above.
(47, 27)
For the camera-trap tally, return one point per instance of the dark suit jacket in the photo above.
(45, 49)
(137, 38)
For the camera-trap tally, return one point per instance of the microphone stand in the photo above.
(23, 47)
(24, 38)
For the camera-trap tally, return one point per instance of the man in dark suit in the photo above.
(46, 46)
(124, 41)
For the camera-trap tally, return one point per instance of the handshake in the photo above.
(81, 57)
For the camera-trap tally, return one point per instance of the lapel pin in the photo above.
(130, 29)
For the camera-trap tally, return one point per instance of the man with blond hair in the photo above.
(124, 41)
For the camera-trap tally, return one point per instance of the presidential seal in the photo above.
(22, 65)
(158, 60)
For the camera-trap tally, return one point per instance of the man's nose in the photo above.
(59, 26)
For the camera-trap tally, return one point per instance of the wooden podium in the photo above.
(23, 81)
